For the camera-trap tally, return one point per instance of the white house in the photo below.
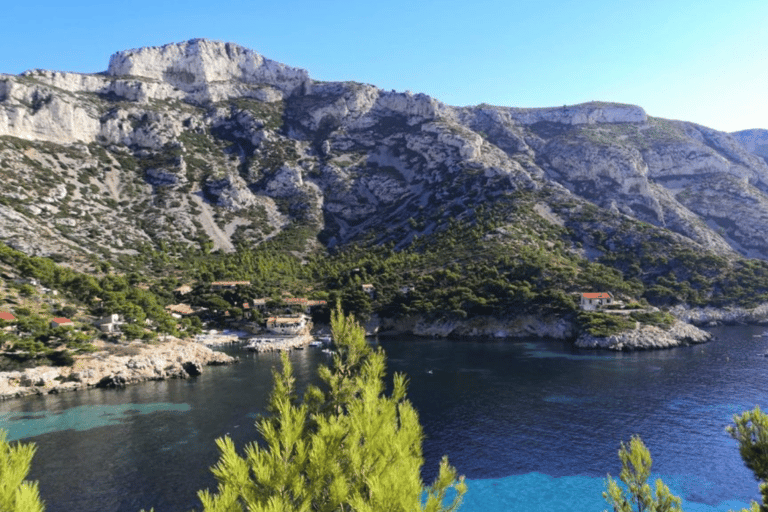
(596, 300)
(110, 323)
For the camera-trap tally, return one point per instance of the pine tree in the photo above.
(349, 447)
(17, 494)
(635, 470)
(751, 431)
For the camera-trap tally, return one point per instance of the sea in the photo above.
(534, 425)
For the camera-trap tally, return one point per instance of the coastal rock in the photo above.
(481, 327)
(718, 316)
(112, 381)
(646, 337)
(172, 359)
(193, 368)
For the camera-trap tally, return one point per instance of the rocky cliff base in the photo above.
(643, 337)
(646, 337)
(175, 359)
(482, 327)
(722, 316)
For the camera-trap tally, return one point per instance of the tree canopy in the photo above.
(347, 447)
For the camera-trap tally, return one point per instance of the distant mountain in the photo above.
(756, 141)
(210, 143)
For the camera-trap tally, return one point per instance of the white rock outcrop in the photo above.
(196, 63)
(646, 337)
(172, 359)
(585, 113)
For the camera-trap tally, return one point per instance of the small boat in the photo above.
(315, 343)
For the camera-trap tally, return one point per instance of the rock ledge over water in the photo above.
(173, 359)
(647, 337)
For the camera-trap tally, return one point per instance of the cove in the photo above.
(534, 425)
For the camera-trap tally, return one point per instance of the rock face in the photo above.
(646, 337)
(196, 64)
(210, 140)
(755, 141)
(171, 360)
(717, 316)
(484, 327)
(587, 113)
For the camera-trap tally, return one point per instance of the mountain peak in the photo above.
(197, 62)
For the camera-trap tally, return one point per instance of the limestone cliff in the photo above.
(205, 140)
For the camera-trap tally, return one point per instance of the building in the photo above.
(260, 304)
(288, 324)
(227, 285)
(180, 310)
(595, 300)
(110, 323)
(61, 322)
(370, 290)
(6, 316)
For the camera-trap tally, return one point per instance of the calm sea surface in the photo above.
(534, 425)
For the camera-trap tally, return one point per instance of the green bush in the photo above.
(603, 324)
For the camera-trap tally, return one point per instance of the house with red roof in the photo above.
(592, 301)
(61, 322)
(8, 317)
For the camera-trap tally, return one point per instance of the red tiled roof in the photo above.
(61, 320)
(182, 309)
(597, 295)
(4, 315)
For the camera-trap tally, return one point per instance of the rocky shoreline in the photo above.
(646, 337)
(710, 316)
(180, 359)
(642, 337)
(172, 359)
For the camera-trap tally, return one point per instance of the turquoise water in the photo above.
(534, 426)
(85, 417)
(537, 492)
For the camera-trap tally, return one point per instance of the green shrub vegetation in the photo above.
(348, 447)
(16, 493)
(749, 429)
(602, 325)
(635, 470)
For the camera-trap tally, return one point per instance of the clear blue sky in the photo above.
(703, 61)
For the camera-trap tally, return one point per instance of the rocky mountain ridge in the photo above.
(205, 142)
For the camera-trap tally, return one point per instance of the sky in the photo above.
(704, 61)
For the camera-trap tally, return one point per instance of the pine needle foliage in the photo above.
(635, 471)
(347, 447)
(750, 429)
(17, 494)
